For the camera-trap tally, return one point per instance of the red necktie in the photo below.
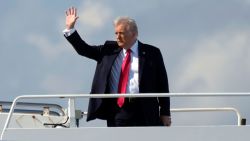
(124, 77)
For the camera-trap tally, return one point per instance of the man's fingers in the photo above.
(68, 12)
(76, 12)
(71, 11)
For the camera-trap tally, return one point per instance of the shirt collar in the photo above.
(134, 48)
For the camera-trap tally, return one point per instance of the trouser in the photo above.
(130, 114)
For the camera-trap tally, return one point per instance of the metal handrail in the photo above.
(115, 96)
(41, 112)
(34, 105)
(239, 117)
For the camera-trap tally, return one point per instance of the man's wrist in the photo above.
(68, 32)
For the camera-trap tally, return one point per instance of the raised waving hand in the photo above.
(71, 17)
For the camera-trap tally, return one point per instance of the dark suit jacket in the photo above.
(152, 78)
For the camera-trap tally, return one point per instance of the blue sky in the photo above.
(205, 44)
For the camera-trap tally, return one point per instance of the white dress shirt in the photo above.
(133, 81)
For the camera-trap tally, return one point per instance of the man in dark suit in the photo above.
(124, 66)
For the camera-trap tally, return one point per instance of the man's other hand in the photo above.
(166, 120)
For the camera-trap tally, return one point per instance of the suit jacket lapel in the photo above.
(141, 54)
(113, 56)
(113, 51)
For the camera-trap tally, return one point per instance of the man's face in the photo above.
(124, 37)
